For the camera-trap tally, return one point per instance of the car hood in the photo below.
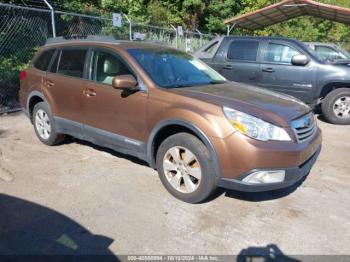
(270, 106)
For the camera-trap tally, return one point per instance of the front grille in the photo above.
(304, 127)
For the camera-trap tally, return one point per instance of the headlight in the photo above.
(255, 127)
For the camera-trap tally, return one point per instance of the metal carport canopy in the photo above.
(289, 9)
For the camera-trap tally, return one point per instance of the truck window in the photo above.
(280, 53)
(243, 50)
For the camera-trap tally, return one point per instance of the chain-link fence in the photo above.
(21, 32)
(24, 29)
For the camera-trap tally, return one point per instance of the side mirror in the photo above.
(124, 82)
(300, 60)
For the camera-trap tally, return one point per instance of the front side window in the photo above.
(43, 61)
(170, 68)
(105, 66)
(243, 50)
(280, 53)
(72, 63)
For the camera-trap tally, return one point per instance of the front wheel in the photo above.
(336, 106)
(185, 168)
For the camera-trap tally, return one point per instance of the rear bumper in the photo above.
(293, 175)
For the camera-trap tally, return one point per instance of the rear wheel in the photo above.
(185, 168)
(336, 106)
(44, 126)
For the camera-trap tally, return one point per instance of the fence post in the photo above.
(200, 37)
(174, 28)
(229, 28)
(52, 18)
(130, 26)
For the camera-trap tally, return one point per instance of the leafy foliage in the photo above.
(208, 16)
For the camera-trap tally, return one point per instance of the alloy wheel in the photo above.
(42, 124)
(182, 169)
(341, 107)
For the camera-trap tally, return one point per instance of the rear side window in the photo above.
(72, 63)
(53, 67)
(43, 61)
(243, 50)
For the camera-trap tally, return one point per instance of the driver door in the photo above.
(113, 117)
(280, 75)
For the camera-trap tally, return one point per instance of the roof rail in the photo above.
(88, 38)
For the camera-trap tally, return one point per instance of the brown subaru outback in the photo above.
(168, 108)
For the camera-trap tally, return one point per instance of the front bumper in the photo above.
(292, 176)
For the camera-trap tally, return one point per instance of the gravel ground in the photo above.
(78, 198)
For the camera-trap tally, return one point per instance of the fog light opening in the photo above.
(265, 177)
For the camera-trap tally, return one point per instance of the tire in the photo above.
(42, 119)
(187, 172)
(334, 104)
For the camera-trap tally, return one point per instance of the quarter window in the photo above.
(72, 63)
(106, 66)
(279, 53)
(243, 50)
(43, 60)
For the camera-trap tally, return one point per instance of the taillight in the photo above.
(22, 75)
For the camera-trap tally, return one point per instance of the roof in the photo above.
(288, 9)
(87, 38)
(106, 40)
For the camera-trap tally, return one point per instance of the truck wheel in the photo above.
(336, 106)
(44, 126)
(185, 168)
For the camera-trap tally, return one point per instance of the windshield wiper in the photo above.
(217, 82)
(178, 86)
(195, 84)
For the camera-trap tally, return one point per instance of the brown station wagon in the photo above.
(168, 108)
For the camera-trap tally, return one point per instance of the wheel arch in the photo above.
(326, 89)
(167, 128)
(34, 98)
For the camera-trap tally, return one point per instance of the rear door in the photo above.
(36, 74)
(280, 75)
(241, 61)
(64, 84)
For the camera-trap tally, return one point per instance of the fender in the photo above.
(30, 96)
(194, 129)
(329, 86)
(34, 93)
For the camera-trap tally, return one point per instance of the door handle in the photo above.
(89, 92)
(228, 67)
(268, 70)
(49, 83)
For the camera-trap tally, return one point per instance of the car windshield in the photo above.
(173, 69)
